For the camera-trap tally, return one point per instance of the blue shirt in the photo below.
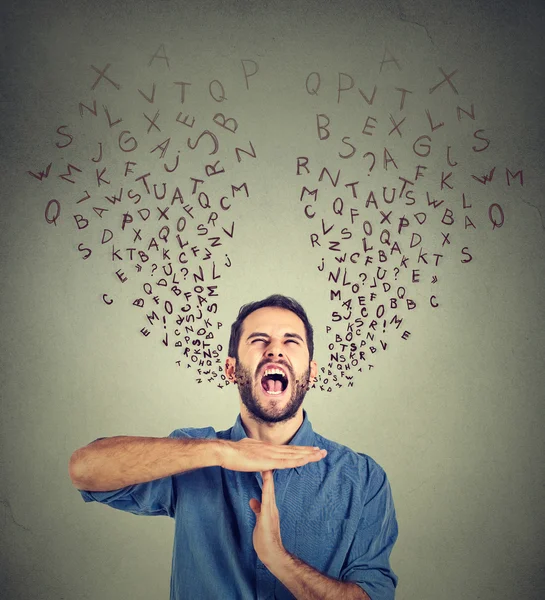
(337, 515)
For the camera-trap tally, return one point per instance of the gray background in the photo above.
(454, 414)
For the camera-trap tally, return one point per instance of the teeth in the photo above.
(274, 372)
(274, 393)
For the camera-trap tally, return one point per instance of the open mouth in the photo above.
(274, 381)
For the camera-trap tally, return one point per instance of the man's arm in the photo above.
(112, 463)
(306, 583)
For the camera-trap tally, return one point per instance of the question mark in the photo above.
(372, 164)
(153, 269)
(364, 277)
(396, 269)
(186, 272)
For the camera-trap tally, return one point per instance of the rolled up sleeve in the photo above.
(368, 561)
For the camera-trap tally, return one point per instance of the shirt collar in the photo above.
(304, 436)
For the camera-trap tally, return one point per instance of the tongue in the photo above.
(274, 386)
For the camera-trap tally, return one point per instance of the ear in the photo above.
(230, 364)
(313, 371)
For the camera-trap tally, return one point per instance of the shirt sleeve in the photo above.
(153, 498)
(368, 561)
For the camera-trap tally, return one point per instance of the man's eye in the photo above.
(258, 340)
(292, 341)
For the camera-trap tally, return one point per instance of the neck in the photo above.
(272, 433)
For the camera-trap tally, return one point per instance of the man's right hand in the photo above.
(253, 455)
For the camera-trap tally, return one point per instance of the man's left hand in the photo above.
(267, 539)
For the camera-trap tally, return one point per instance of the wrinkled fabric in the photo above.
(337, 515)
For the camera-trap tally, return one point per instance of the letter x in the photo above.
(152, 122)
(101, 74)
(447, 79)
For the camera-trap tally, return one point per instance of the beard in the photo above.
(258, 413)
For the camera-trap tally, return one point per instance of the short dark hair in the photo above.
(276, 301)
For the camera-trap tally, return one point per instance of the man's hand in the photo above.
(253, 455)
(267, 539)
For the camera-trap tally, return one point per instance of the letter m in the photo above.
(313, 193)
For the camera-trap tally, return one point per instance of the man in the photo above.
(267, 508)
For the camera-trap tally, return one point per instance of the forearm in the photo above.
(113, 463)
(306, 583)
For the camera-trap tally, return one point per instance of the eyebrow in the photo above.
(266, 335)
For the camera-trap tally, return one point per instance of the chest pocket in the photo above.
(323, 543)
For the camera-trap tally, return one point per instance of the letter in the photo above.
(466, 253)
(222, 95)
(353, 213)
(486, 177)
(460, 110)
(102, 75)
(70, 137)
(389, 60)
(212, 136)
(418, 174)
(157, 55)
(41, 175)
(182, 98)
(307, 214)
(335, 181)
(444, 180)
(344, 89)
(104, 233)
(234, 189)
(422, 137)
(238, 152)
(100, 179)
(322, 127)
(370, 102)
(403, 93)
(88, 251)
(508, 174)
(152, 99)
(352, 185)
(368, 125)
(413, 242)
(396, 126)
(451, 164)
(388, 158)
(445, 80)
(475, 149)
(93, 110)
(110, 122)
(448, 217)
(247, 74)
(433, 127)
(496, 223)
(348, 144)
(224, 123)
(314, 240)
(152, 122)
(80, 219)
(163, 146)
(416, 276)
(433, 202)
(314, 90)
(66, 176)
(184, 120)
(212, 170)
(302, 165)
(97, 160)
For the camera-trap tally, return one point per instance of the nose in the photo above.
(274, 349)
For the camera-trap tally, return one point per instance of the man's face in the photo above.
(273, 367)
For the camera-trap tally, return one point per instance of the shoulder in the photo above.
(347, 463)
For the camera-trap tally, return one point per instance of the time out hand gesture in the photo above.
(267, 539)
(253, 455)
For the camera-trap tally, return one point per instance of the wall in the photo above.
(447, 397)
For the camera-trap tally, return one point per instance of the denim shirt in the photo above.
(337, 515)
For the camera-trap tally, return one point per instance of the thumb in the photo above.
(255, 505)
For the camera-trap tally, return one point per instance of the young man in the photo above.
(267, 508)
